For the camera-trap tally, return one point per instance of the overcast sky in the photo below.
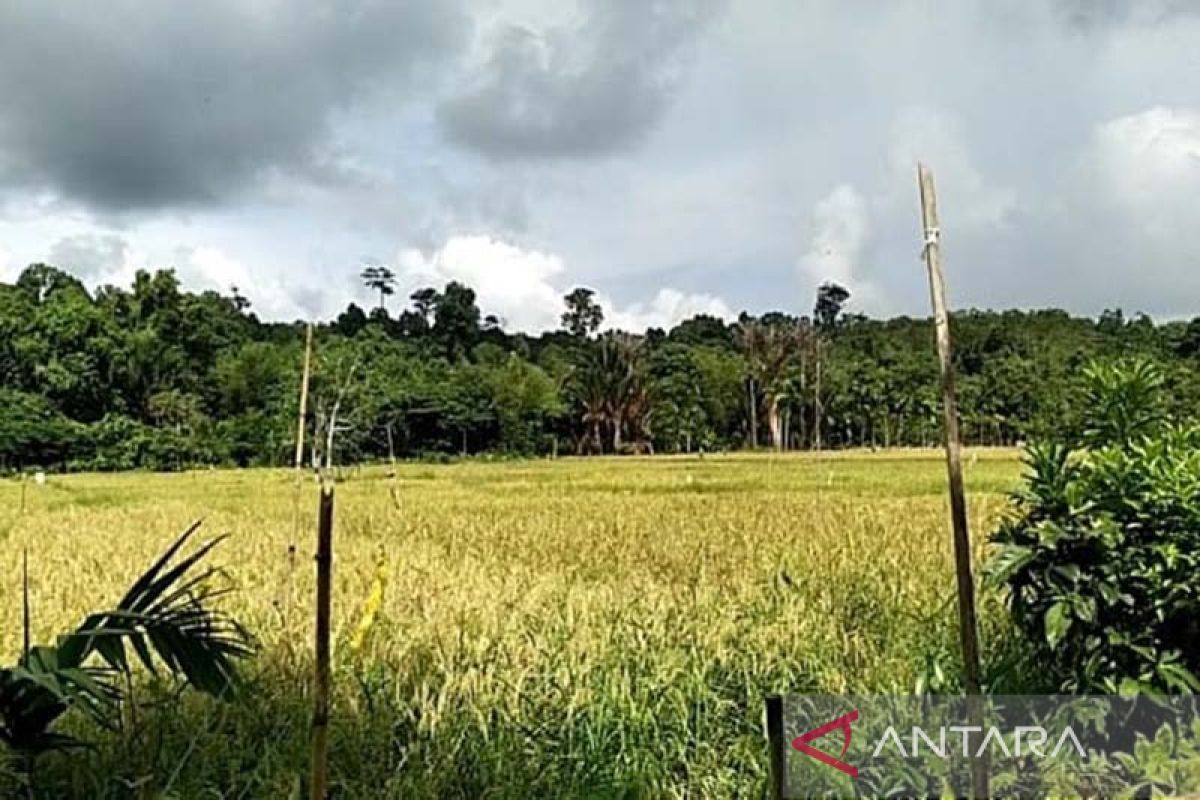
(677, 156)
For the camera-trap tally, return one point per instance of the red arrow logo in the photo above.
(843, 722)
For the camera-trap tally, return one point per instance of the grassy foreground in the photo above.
(575, 628)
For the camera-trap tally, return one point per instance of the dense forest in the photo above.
(157, 377)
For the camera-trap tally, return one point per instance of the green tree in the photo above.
(768, 347)
(33, 432)
(456, 320)
(583, 315)
(350, 321)
(831, 299)
(379, 278)
(676, 400)
(526, 400)
(610, 392)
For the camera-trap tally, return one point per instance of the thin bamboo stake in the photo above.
(331, 429)
(321, 677)
(967, 629)
(25, 605)
(393, 477)
(308, 340)
(288, 584)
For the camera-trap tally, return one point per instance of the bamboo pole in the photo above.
(25, 606)
(288, 585)
(308, 341)
(321, 676)
(393, 476)
(967, 628)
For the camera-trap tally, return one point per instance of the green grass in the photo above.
(571, 628)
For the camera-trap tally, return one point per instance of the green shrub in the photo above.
(32, 431)
(1102, 554)
(120, 443)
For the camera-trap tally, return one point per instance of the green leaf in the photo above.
(1085, 609)
(1008, 561)
(1057, 622)
(1176, 676)
(1069, 571)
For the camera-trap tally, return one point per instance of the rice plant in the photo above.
(164, 621)
(569, 628)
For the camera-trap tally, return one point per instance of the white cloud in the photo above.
(272, 296)
(840, 228)
(712, 188)
(210, 268)
(1136, 186)
(510, 282)
(98, 257)
(524, 289)
(669, 307)
(936, 137)
(8, 269)
(1149, 164)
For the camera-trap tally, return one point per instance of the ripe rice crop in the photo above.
(599, 627)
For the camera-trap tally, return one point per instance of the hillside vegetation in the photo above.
(151, 376)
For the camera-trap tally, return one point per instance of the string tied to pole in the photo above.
(933, 235)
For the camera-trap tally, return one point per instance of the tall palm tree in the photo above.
(769, 349)
(610, 389)
(380, 279)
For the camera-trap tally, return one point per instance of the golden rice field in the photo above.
(570, 628)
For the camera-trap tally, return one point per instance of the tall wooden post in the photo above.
(302, 413)
(967, 629)
(308, 339)
(25, 606)
(319, 782)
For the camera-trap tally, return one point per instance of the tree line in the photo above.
(152, 376)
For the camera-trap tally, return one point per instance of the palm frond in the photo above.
(167, 620)
(167, 614)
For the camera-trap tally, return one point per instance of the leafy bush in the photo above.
(1123, 402)
(1102, 555)
(120, 443)
(32, 431)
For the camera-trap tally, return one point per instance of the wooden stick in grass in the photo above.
(288, 585)
(308, 339)
(394, 489)
(25, 605)
(319, 782)
(967, 628)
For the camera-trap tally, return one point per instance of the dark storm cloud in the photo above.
(132, 105)
(755, 138)
(577, 91)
